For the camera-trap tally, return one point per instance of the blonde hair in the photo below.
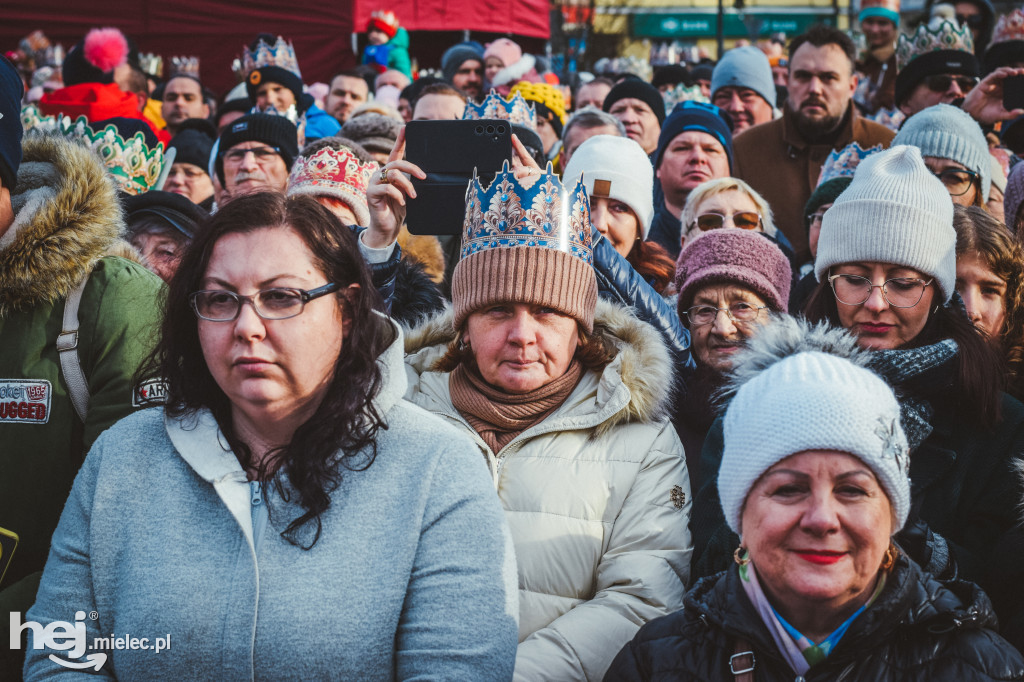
(720, 186)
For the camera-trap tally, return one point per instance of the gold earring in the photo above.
(889, 560)
(738, 557)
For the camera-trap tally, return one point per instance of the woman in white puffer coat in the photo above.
(567, 400)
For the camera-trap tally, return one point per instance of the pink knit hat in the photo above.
(504, 49)
(730, 255)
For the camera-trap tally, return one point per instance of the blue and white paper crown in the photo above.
(281, 54)
(681, 93)
(515, 110)
(843, 163)
(535, 211)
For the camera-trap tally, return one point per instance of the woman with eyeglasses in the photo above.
(286, 514)
(886, 268)
(989, 263)
(730, 281)
(954, 149)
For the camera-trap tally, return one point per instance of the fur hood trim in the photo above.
(784, 336)
(643, 363)
(515, 72)
(66, 218)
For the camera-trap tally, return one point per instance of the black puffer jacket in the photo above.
(918, 629)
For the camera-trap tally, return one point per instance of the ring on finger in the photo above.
(384, 174)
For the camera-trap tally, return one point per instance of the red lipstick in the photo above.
(821, 558)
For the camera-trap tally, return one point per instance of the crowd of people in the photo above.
(718, 376)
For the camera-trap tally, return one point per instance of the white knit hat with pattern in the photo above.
(811, 400)
(895, 211)
(617, 168)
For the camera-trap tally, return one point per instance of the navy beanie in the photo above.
(276, 74)
(457, 55)
(705, 118)
(11, 90)
(271, 130)
(634, 88)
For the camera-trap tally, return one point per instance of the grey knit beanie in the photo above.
(745, 67)
(1013, 197)
(948, 132)
(895, 211)
(374, 132)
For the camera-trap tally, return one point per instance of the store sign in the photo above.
(705, 25)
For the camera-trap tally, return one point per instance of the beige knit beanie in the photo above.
(526, 241)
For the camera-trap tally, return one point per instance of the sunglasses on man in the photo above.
(941, 82)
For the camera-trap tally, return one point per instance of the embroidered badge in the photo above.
(152, 392)
(25, 401)
(678, 497)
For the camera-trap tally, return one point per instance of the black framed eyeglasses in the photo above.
(815, 217)
(261, 154)
(899, 292)
(739, 312)
(941, 82)
(957, 180)
(280, 303)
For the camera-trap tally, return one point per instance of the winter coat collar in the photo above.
(66, 218)
(911, 601)
(632, 387)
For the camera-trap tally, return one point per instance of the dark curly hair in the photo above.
(342, 432)
(979, 233)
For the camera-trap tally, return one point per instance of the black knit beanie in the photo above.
(276, 74)
(193, 142)
(933, 63)
(633, 88)
(274, 131)
(826, 193)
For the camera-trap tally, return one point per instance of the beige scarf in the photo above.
(498, 416)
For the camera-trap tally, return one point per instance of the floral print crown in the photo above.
(515, 110)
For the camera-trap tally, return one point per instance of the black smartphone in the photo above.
(8, 541)
(449, 152)
(1013, 93)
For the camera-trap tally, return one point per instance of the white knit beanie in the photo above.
(620, 170)
(895, 211)
(812, 401)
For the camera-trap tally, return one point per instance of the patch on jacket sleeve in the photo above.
(678, 497)
(25, 401)
(152, 392)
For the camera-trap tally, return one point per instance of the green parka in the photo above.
(67, 224)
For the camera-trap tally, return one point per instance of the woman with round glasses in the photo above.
(954, 149)
(729, 281)
(886, 267)
(287, 514)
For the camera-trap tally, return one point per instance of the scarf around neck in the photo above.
(797, 650)
(499, 416)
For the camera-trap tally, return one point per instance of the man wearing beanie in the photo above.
(640, 108)
(188, 175)
(463, 67)
(880, 23)
(782, 159)
(742, 85)
(60, 223)
(954, 149)
(936, 65)
(695, 146)
(255, 154)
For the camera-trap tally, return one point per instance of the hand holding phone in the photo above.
(386, 196)
(1013, 92)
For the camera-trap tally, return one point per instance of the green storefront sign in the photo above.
(705, 24)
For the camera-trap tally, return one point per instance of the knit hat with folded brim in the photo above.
(895, 211)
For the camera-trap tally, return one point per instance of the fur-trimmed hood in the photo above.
(67, 217)
(642, 364)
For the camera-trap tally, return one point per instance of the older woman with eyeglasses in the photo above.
(886, 267)
(729, 202)
(287, 514)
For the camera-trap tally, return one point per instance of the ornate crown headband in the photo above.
(515, 110)
(152, 64)
(681, 93)
(184, 66)
(1009, 27)
(537, 211)
(333, 169)
(843, 162)
(946, 36)
(281, 54)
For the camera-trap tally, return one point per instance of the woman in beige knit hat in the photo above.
(566, 398)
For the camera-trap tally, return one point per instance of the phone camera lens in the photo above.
(501, 130)
(479, 130)
(490, 130)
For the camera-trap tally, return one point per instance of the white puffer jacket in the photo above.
(597, 496)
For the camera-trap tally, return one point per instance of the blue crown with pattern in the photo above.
(535, 211)
(515, 110)
(843, 162)
(681, 93)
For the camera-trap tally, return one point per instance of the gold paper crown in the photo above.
(514, 110)
(946, 36)
(281, 54)
(134, 166)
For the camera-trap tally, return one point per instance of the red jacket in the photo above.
(97, 102)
